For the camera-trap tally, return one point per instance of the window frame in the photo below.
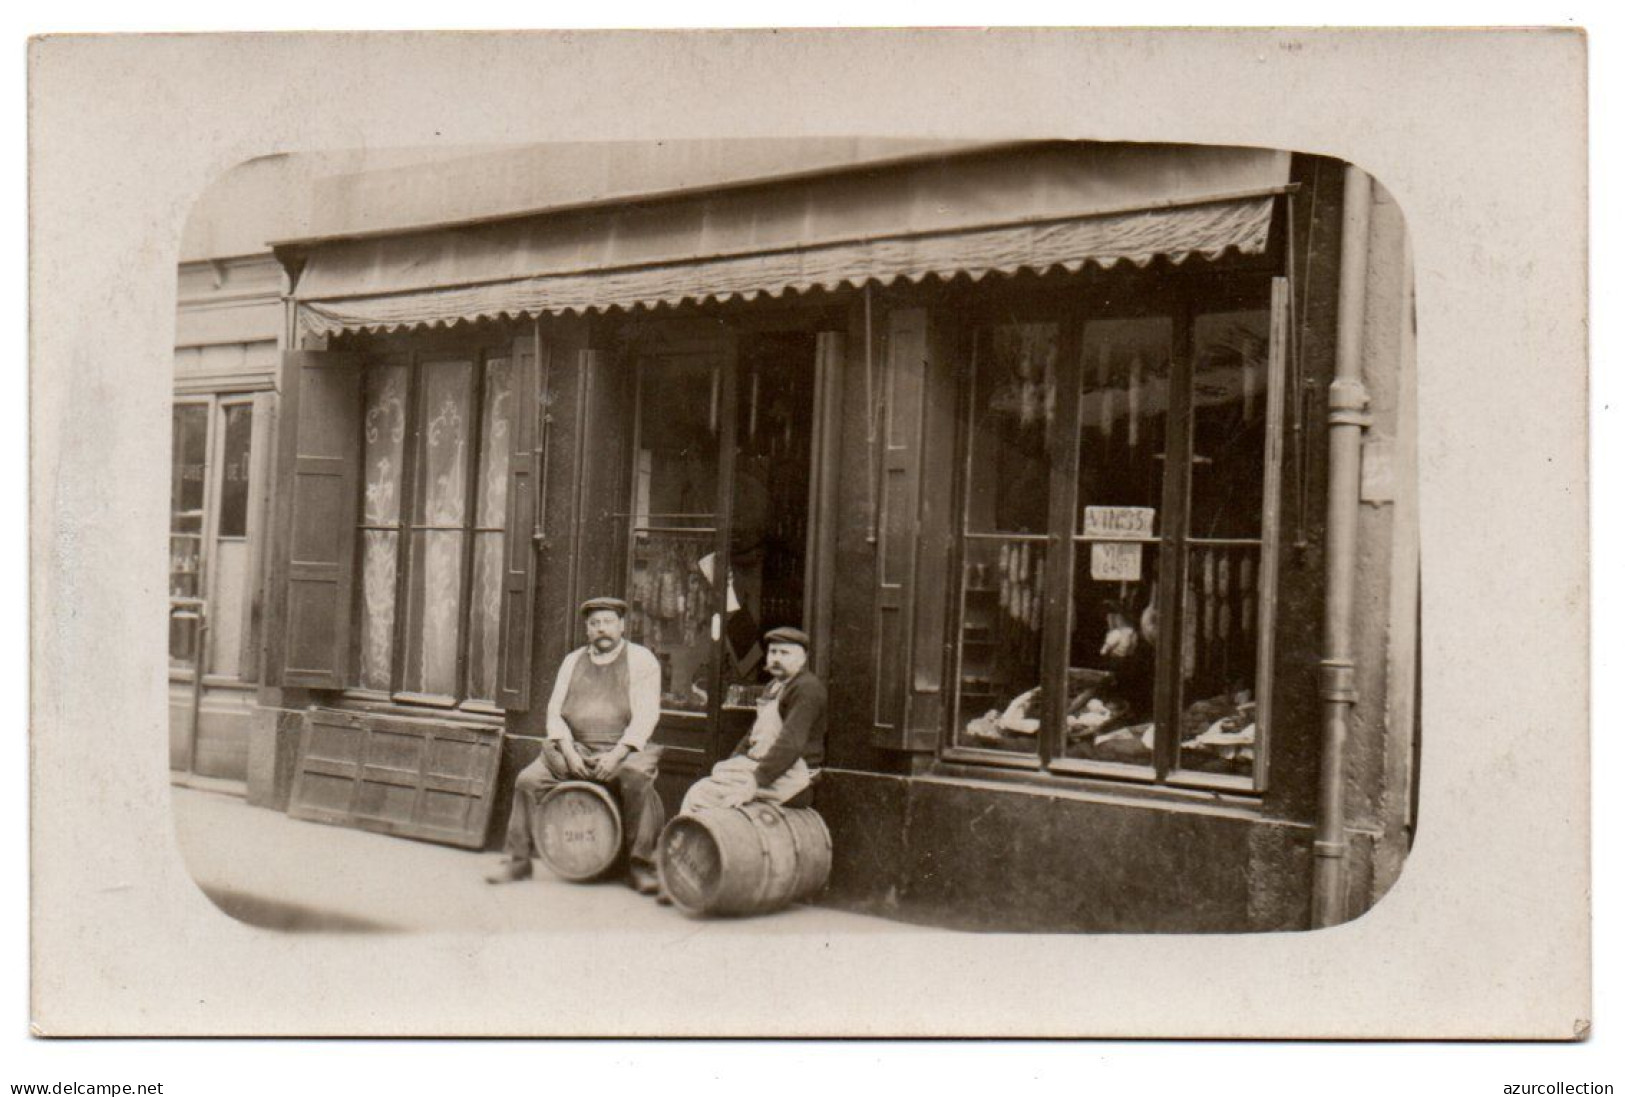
(195, 608)
(477, 355)
(1181, 297)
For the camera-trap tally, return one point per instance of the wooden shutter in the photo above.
(319, 466)
(1269, 556)
(421, 778)
(519, 538)
(604, 418)
(914, 530)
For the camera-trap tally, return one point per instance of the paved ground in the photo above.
(267, 869)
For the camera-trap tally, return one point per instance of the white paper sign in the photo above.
(1119, 523)
(1115, 561)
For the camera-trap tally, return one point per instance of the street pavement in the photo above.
(266, 869)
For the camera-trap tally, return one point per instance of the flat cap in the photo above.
(614, 605)
(787, 635)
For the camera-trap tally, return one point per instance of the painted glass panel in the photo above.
(485, 608)
(484, 616)
(383, 449)
(379, 549)
(435, 572)
(384, 435)
(496, 444)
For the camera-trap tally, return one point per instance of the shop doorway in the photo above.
(721, 542)
(216, 492)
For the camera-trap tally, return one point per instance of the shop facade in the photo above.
(229, 339)
(1047, 446)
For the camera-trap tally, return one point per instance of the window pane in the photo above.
(1125, 413)
(431, 647)
(676, 481)
(435, 574)
(1231, 358)
(187, 481)
(485, 616)
(190, 441)
(379, 551)
(1012, 427)
(672, 601)
(1219, 635)
(1000, 704)
(383, 448)
(1122, 447)
(485, 605)
(1220, 659)
(674, 496)
(384, 433)
(239, 426)
(496, 444)
(442, 480)
(1113, 661)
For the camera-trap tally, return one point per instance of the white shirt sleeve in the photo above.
(643, 670)
(556, 727)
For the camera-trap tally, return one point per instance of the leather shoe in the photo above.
(508, 872)
(642, 880)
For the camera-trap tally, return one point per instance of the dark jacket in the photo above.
(802, 702)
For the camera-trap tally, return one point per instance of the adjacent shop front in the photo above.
(1032, 440)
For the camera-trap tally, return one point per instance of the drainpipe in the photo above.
(1347, 402)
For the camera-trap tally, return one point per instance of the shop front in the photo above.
(228, 328)
(1031, 440)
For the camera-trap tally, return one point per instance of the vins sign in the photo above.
(1119, 523)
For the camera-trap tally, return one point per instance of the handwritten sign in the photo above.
(1119, 523)
(1114, 561)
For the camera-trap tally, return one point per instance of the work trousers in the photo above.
(642, 814)
(731, 785)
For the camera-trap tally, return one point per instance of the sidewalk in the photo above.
(267, 869)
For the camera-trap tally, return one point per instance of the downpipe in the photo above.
(1348, 420)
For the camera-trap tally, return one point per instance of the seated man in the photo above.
(772, 762)
(605, 704)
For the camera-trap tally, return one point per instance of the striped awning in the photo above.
(1061, 209)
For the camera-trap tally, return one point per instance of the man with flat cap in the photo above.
(775, 761)
(605, 704)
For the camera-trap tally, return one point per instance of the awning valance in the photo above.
(1056, 207)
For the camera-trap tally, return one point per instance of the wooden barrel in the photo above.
(578, 830)
(746, 860)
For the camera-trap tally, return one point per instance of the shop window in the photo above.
(1167, 419)
(1011, 451)
(436, 441)
(689, 411)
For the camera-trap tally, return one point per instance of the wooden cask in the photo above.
(578, 830)
(746, 860)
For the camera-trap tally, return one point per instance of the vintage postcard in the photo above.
(1042, 525)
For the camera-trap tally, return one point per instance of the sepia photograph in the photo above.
(1062, 534)
(983, 536)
